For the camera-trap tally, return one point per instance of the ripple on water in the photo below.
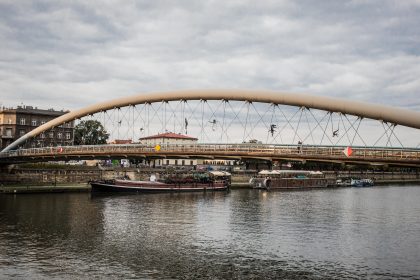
(244, 234)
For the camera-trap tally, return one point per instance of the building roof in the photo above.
(32, 110)
(170, 135)
(121, 141)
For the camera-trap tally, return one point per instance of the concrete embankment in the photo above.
(18, 189)
(398, 182)
(75, 178)
(379, 177)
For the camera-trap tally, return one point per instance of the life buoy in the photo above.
(267, 183)
(59, 150)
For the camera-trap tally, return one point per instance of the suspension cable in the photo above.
(285, 125)
(223, 121)
(310, 130)
(271, 121)
(345, 130)
(386, 132)
(246, 120)
(261, 119)
(395, 125)
(297, 128)
(356, 130)
(234, 118)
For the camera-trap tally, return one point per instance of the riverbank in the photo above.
(397, 182)
(78, 188)
(75, 178)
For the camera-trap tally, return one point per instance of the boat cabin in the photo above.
(291, 174)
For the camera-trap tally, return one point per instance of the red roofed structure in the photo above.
(169, 138)
(169, 135)
(121, 141)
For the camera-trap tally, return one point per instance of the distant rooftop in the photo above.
(170, 135)
(121, 141)
(32, 110)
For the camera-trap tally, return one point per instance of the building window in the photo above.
(167, 162)
(59, 135)
(22, 121)
(183, 162)
(8, 132)
(68, 136)
(33, 122)
(51, 134)
(191, 162)
(9, 121)
(176, 162)
(21, 132)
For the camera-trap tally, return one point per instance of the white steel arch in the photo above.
(389, 114)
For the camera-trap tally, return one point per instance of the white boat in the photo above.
(290, 179)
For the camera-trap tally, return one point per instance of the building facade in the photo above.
(16, 122)
(174, 139)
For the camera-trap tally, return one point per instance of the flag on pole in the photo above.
(348, 151)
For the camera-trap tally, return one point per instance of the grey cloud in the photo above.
(72, 55)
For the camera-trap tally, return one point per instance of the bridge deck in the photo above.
(398, 156)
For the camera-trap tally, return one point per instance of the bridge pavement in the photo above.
(360, 155)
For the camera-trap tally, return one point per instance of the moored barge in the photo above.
(290, 179)
(195, 183)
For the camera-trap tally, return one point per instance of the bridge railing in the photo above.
(260, 150)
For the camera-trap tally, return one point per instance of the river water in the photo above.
(348, 233)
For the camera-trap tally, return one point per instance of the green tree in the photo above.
(90, 132)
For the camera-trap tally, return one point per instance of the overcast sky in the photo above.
(70, 54)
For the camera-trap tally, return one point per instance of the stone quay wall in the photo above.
(84, 174)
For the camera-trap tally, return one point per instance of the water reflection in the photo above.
(346, 233)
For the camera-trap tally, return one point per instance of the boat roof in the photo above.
(220, 173)
(279, 172)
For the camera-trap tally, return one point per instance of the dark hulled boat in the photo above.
(194, 184)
